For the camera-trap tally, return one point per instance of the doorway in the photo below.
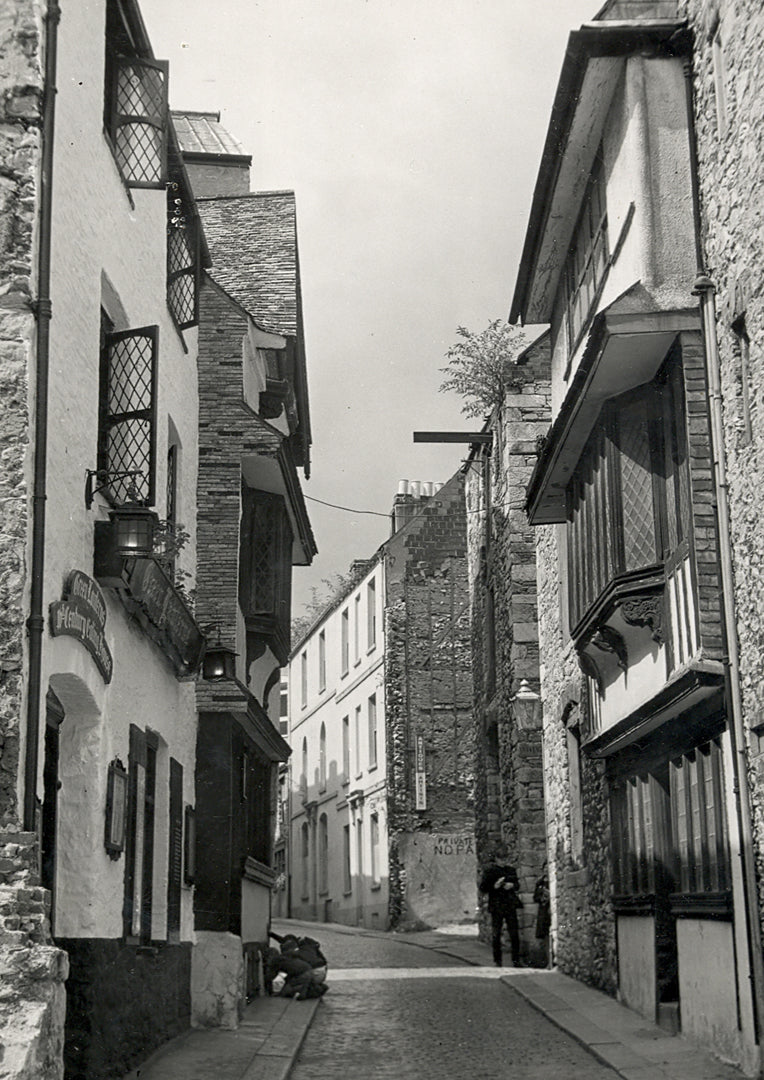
(54, 716)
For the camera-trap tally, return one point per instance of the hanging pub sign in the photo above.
(154, 601)
(81, 614)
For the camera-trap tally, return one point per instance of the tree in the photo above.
(477, 365)
(321, 597)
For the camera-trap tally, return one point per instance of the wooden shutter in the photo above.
(134, 840)
(175, 864)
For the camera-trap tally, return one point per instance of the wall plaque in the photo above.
(81, 614)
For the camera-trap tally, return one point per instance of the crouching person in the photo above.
(300, 982)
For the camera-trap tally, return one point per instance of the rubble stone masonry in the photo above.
(20, 113)
(509, 797)
(728, 83)
(32, 971)
(428, 693)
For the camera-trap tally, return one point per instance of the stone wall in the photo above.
(32, 970)
(730, 142)
(428, 693)
(20, 113)
(509, 800)
(583, 926)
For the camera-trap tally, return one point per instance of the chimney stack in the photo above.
(411, 497)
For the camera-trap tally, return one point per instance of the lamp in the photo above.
(134, 528)
(526, 707)
(219, 660)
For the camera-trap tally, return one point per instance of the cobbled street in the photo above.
(397, 1010)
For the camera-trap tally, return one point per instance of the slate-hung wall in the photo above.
(728, 84)
(428, 694)
(509, 802)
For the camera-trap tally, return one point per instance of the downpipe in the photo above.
(43, 312)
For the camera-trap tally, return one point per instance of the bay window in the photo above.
(628, 503)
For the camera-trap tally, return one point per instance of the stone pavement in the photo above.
(272, 1032)
(263, 1048)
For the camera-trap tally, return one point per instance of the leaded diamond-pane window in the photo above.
(127, 429)
(628, 502)
(266, 558)
(135, 113)
(182, 259)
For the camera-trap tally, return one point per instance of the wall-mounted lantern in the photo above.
(134, 530)
(116, 809)
(219, 660)
(526, 707)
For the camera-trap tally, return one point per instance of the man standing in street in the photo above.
(502, 887)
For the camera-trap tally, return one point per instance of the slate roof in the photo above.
(202, 133)
(253, 243)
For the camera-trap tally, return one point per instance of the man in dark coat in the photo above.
(502, 887)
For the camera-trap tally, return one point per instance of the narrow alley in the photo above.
(428, 1004)
(397, 1010)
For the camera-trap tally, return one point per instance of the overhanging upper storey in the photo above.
(614, 113)
(253, 244)
(624, 349)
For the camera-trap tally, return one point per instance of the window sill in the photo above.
(702, 905)
(373, 768)
(348, 893)
(375, 887)
(643, 905)
(371, 649)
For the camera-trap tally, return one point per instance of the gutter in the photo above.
(43, 312)
(705, 290)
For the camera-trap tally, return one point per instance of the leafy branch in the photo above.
(477, 364)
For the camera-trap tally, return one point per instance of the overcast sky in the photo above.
(411, 132)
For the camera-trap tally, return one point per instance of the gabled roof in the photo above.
(253, 244)
(202, 133)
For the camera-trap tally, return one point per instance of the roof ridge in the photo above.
(245, 195)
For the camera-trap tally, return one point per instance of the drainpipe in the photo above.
(43, 311)
(705, 290)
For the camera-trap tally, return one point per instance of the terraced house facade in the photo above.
(648, 802)
(135, 629)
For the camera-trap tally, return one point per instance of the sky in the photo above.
(411, 133)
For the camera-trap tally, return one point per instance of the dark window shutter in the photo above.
(133, 856)
(127, 436)
(139, 124)
(175, 868)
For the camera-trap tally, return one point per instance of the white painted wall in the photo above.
(104, 248)
(343, 694)
(645, 147)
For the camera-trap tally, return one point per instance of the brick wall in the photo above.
(428, 692)
(509, 800)
(228, 431)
